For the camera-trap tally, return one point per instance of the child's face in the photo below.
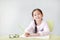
(37, 15)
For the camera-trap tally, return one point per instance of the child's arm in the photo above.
(35, 34)
(32, 35)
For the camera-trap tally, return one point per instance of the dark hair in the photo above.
(38, 10)
(35, 31)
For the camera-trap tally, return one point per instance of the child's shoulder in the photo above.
(43, 22)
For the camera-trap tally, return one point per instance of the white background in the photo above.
(15, 15)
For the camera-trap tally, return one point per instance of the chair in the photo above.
(50, 24)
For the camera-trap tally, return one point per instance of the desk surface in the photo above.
(52, 37)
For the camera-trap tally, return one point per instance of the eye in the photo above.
(35, 15)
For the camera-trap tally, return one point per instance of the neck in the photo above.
(38, 22)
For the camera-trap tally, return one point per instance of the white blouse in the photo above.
(43, 28)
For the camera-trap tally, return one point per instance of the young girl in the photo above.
(37, 27)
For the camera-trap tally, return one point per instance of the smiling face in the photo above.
(37, 15)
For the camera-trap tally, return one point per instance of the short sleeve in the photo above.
(45, 29)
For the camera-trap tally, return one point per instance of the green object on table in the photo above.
(13, 35)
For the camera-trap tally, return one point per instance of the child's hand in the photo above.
(32, 35)
(27, 34)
